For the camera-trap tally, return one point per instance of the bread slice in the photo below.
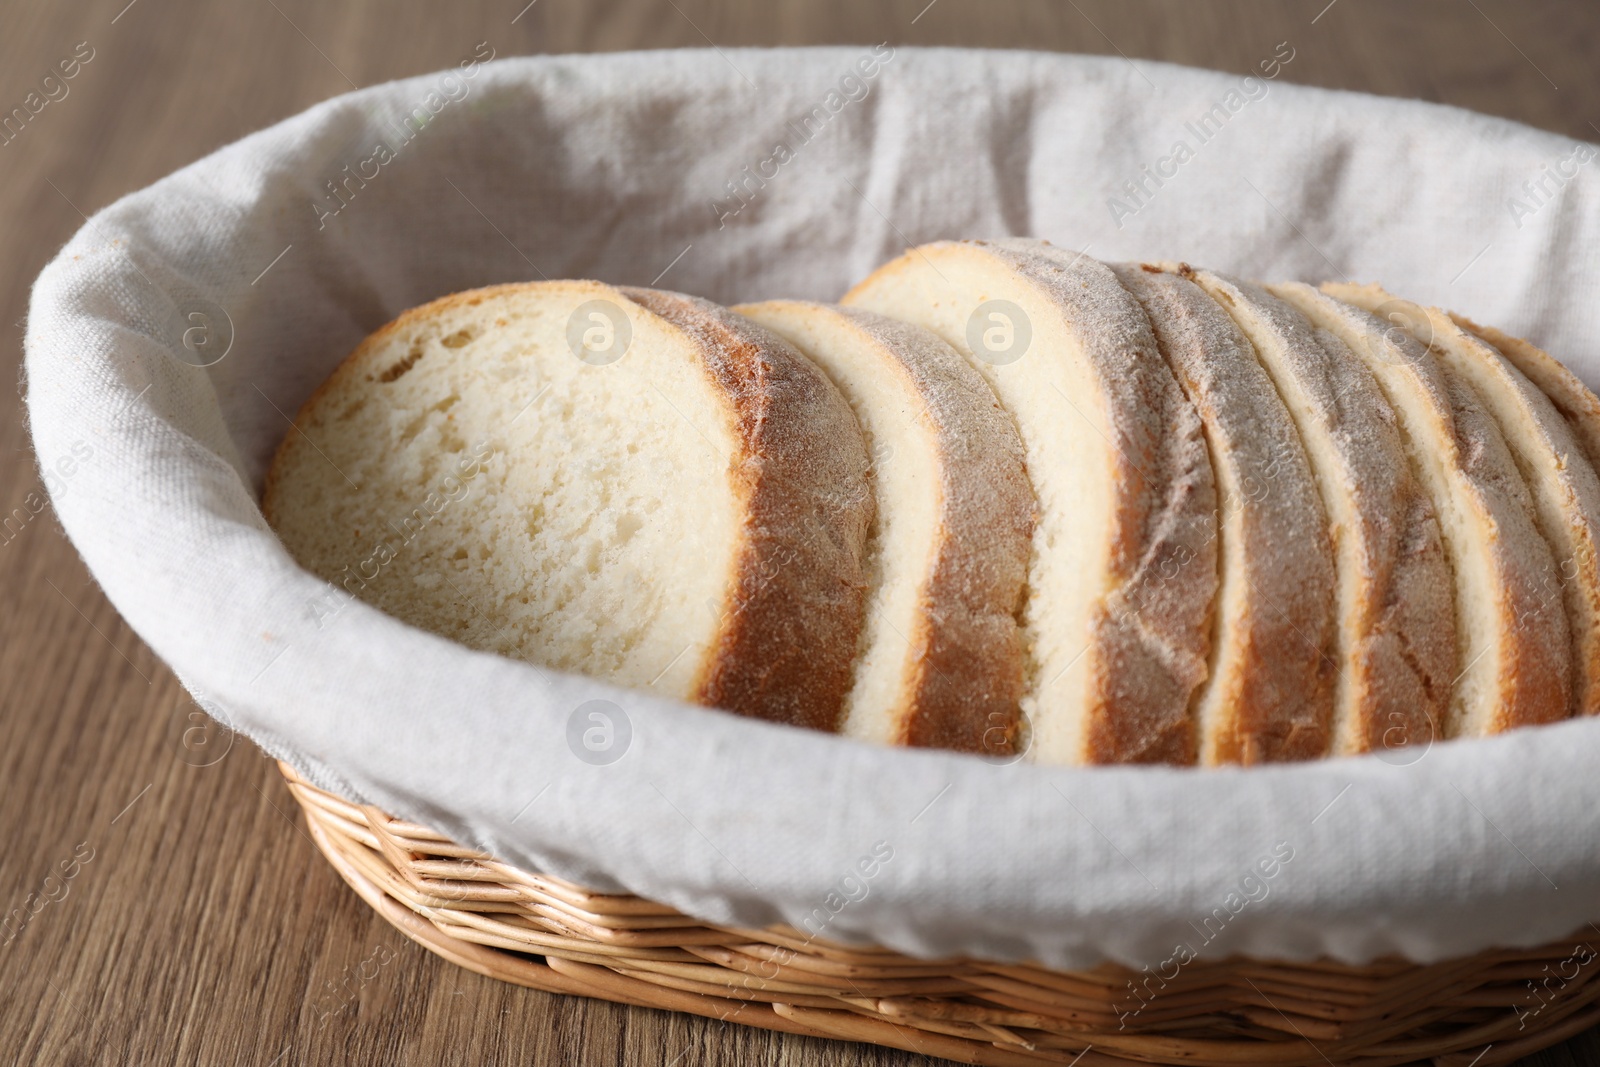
(1123, 571)
(1514, 653)
(1554, 467)
(1273, 656)
(942, 661)
(1396, 644)
(631, 484)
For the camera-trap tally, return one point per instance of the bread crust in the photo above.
(1148, 631)
(1154, 632)
(1532, 678)
(1563, 493)
(1274, 658)
(971, 668)
(1398, 640)
(785, 652)
(964, 668)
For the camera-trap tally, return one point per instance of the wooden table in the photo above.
(200, 926)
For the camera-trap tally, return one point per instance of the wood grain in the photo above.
(202, 927)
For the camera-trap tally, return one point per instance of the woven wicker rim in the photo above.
(538, 931)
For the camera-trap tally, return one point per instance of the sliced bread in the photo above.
(1513, 651)
(942, 661)
(1396, 638)
(1271, 685)
(1554, 467)
(631, 484)
(1123, 572)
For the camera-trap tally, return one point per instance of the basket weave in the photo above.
(539, 931)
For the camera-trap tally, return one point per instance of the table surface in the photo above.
(200, 925)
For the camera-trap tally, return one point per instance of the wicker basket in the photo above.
(549, 934)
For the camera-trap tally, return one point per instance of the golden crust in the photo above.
(1153, 632)
(971, 665)
(1532, 681)
(1564, 430)
(1398, 635)
(1270, 696)
(965, 667)
(1148, 633)
(785, 651)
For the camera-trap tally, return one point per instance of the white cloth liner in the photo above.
(609, 167)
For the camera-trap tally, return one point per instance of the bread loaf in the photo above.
(941, 662)
(632, 484)
(1123, 574)
(1005, 499)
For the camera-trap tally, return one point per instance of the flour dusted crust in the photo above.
(1271, 689)
(800, 473)
(1397, 648)
(1516, 666)
(687, 513)
(942, 661)
(1123, 573)
(1558, 476)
